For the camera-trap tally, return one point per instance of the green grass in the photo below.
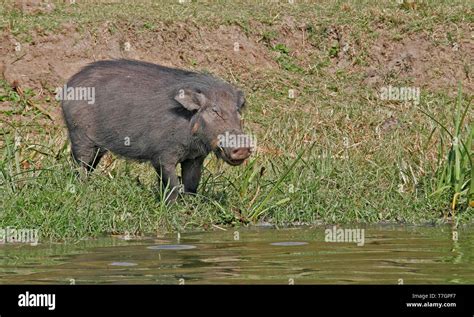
(454, 175)
(320, 157)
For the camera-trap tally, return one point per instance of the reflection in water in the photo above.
(390, 254)
(172, 247)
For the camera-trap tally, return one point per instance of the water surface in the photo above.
(390, 255)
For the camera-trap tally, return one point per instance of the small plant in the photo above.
(334, 51)
(455, 172)
(269, 36)
(285, 60)
(149, 26)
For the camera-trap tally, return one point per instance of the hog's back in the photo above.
(134, 113)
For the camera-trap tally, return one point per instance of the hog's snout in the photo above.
(240, 153)
(235, 148)
(235, 156)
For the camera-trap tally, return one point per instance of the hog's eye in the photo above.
(217, 111)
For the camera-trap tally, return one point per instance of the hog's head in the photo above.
(216, 120)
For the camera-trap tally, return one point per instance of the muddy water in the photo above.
(389, 255)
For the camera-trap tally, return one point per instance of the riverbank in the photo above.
(334, 96)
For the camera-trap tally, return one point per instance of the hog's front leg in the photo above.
(191, 173)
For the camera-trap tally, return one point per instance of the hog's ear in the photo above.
(241, 99)
(190, 99)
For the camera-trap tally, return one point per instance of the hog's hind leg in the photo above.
(167, 178)
(88, 155)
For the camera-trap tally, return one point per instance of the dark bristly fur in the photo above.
(137, 102)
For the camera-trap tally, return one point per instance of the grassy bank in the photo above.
(331, 150)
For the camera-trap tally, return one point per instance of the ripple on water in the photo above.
(123, 264)
(289, 243)
(172, 247)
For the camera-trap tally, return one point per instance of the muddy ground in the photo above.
(49, 58)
